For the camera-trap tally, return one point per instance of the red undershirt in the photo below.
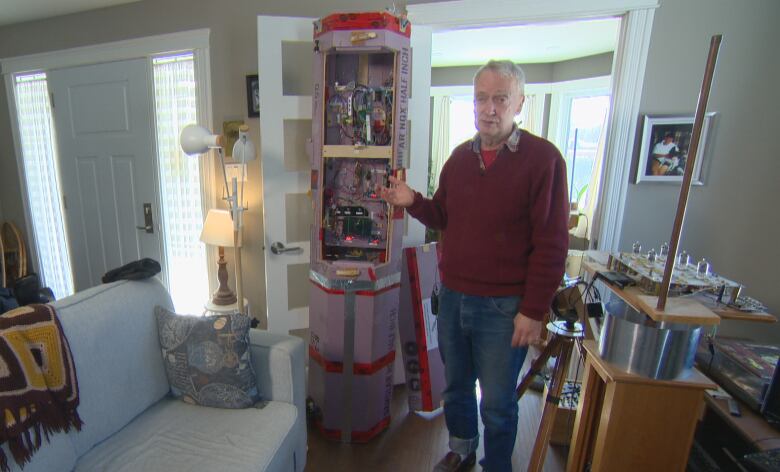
(488, 157)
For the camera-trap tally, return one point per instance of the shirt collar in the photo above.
(511, 142)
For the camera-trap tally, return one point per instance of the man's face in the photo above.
(667, 139)
(496, 102)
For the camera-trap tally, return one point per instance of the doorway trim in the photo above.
(196, 41)
(628, 72)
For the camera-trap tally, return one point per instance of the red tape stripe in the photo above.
(358, 368)
(362, 293)
(357, 436)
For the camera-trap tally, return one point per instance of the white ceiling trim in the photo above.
(464, 13)
(106, 52)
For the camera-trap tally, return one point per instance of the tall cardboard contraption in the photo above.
(362, 66)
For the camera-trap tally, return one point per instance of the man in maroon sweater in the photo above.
(503, 208)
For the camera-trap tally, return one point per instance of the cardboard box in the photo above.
(417, 327)
(357, 328)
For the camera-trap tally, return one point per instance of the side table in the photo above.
(210, 308)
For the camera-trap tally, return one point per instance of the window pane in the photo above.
(586, 119)
(40, 173)
(182, 211)
(461, 120)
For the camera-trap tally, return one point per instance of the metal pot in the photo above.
(633, 342)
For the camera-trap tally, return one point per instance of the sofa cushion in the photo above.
(55, 454)
(207, 358)
(173, 435)
(112, 333)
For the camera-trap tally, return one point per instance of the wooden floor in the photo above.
(413, 443)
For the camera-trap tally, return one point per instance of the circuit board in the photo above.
(355, 218)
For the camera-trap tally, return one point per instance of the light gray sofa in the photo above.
(130, 421)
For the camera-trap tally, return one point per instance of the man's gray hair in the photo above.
(505, 69)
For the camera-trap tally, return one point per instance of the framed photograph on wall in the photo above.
(252, 96)
(664, 152)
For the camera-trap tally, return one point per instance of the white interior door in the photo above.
(104, 123)
(285, 58)
(419, 125)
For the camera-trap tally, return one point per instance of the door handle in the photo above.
(278, 248)
(148, 221)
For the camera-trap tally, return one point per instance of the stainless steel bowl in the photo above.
(635, 343)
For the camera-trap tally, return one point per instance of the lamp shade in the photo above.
(196, 139)
(244, 148)
(218, 229)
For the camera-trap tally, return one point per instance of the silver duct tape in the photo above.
(348, 364)
(349, 284)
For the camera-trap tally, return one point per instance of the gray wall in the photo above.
(733, 219)
(582, 68)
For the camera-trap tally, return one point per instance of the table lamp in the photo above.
(218, 231)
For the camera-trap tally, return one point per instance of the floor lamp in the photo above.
(196, 140)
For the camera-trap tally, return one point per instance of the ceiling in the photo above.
(18, 11)
(525, 44)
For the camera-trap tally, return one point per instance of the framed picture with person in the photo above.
(252, 96)
(664, 152)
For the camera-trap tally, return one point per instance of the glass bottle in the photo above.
(683, 259)
(664, 251)
(703, 269)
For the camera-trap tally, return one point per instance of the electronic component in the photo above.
(685, 278)
(362, 114)
(353, 213)
(618, 279)
(362, 66)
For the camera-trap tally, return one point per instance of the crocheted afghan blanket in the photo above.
(38, 387)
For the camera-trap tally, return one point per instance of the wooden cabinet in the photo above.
(629, 422)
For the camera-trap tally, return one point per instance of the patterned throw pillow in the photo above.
(207, 358)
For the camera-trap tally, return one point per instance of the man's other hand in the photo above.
(527, 331)
(397, 193)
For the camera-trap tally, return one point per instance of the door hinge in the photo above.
(51, 99)
(64, 202)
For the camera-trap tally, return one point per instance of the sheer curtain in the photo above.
(180, 192)
(440, 139)
(530, 115)
(36, 130)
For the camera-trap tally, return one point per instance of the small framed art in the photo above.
(252, 96)
(664, 152)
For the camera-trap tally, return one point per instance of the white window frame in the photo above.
(196, 41)
(561, 96)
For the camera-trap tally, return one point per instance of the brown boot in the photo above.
(452, 463)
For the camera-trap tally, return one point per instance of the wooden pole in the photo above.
(539, 452)
(682, 203)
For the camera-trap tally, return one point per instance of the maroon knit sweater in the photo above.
(504, 228)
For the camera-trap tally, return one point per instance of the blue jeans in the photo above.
(475, 335)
